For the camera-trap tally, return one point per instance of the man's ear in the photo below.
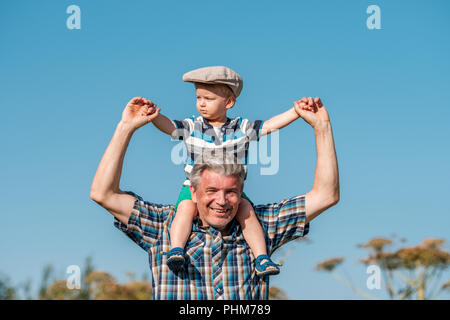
(193, 194)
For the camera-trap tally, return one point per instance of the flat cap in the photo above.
(216, 74)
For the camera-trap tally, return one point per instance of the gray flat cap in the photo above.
(216, 74)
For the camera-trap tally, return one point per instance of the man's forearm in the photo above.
(107, 177)
(326, 178)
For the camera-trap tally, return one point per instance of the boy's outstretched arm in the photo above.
(164, 124)
(279, 121)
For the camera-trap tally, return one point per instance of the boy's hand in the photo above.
(312, 111)
(138, 112)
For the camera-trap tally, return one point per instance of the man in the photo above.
(220, 262)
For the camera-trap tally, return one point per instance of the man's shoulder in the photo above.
(150, 210)
(292, 204)
(283, 221)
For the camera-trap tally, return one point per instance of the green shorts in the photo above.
(185, 194)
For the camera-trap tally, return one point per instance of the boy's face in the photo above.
(212, 104)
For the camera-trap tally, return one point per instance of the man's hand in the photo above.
(312, 111)
(138, 112)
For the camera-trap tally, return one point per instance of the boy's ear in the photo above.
(230, 102)
(193, 194)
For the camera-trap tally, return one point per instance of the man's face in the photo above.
(217, 198)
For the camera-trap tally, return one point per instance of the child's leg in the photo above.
(182, 223)
(179, 233)
(254, 235)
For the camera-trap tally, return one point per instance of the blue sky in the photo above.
(62, 93)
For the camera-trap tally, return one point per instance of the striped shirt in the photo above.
(217, 267)
(201, 138)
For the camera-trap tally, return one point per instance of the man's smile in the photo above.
(221, 211)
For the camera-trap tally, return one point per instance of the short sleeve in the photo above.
(251, 129)
(145, 223)
(284, 221)
(183, 129)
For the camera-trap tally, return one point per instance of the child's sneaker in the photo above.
(175, 259)
(265, 266)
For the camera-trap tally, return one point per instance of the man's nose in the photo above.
(220, 198)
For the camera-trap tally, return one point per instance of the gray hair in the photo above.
(222, 163)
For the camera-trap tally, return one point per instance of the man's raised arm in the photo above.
(105, 186)
(325, 190)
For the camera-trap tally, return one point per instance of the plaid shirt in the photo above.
(200, 138)
(217, 267)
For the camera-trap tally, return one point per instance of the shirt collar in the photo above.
(233, 229)
(208, 125)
